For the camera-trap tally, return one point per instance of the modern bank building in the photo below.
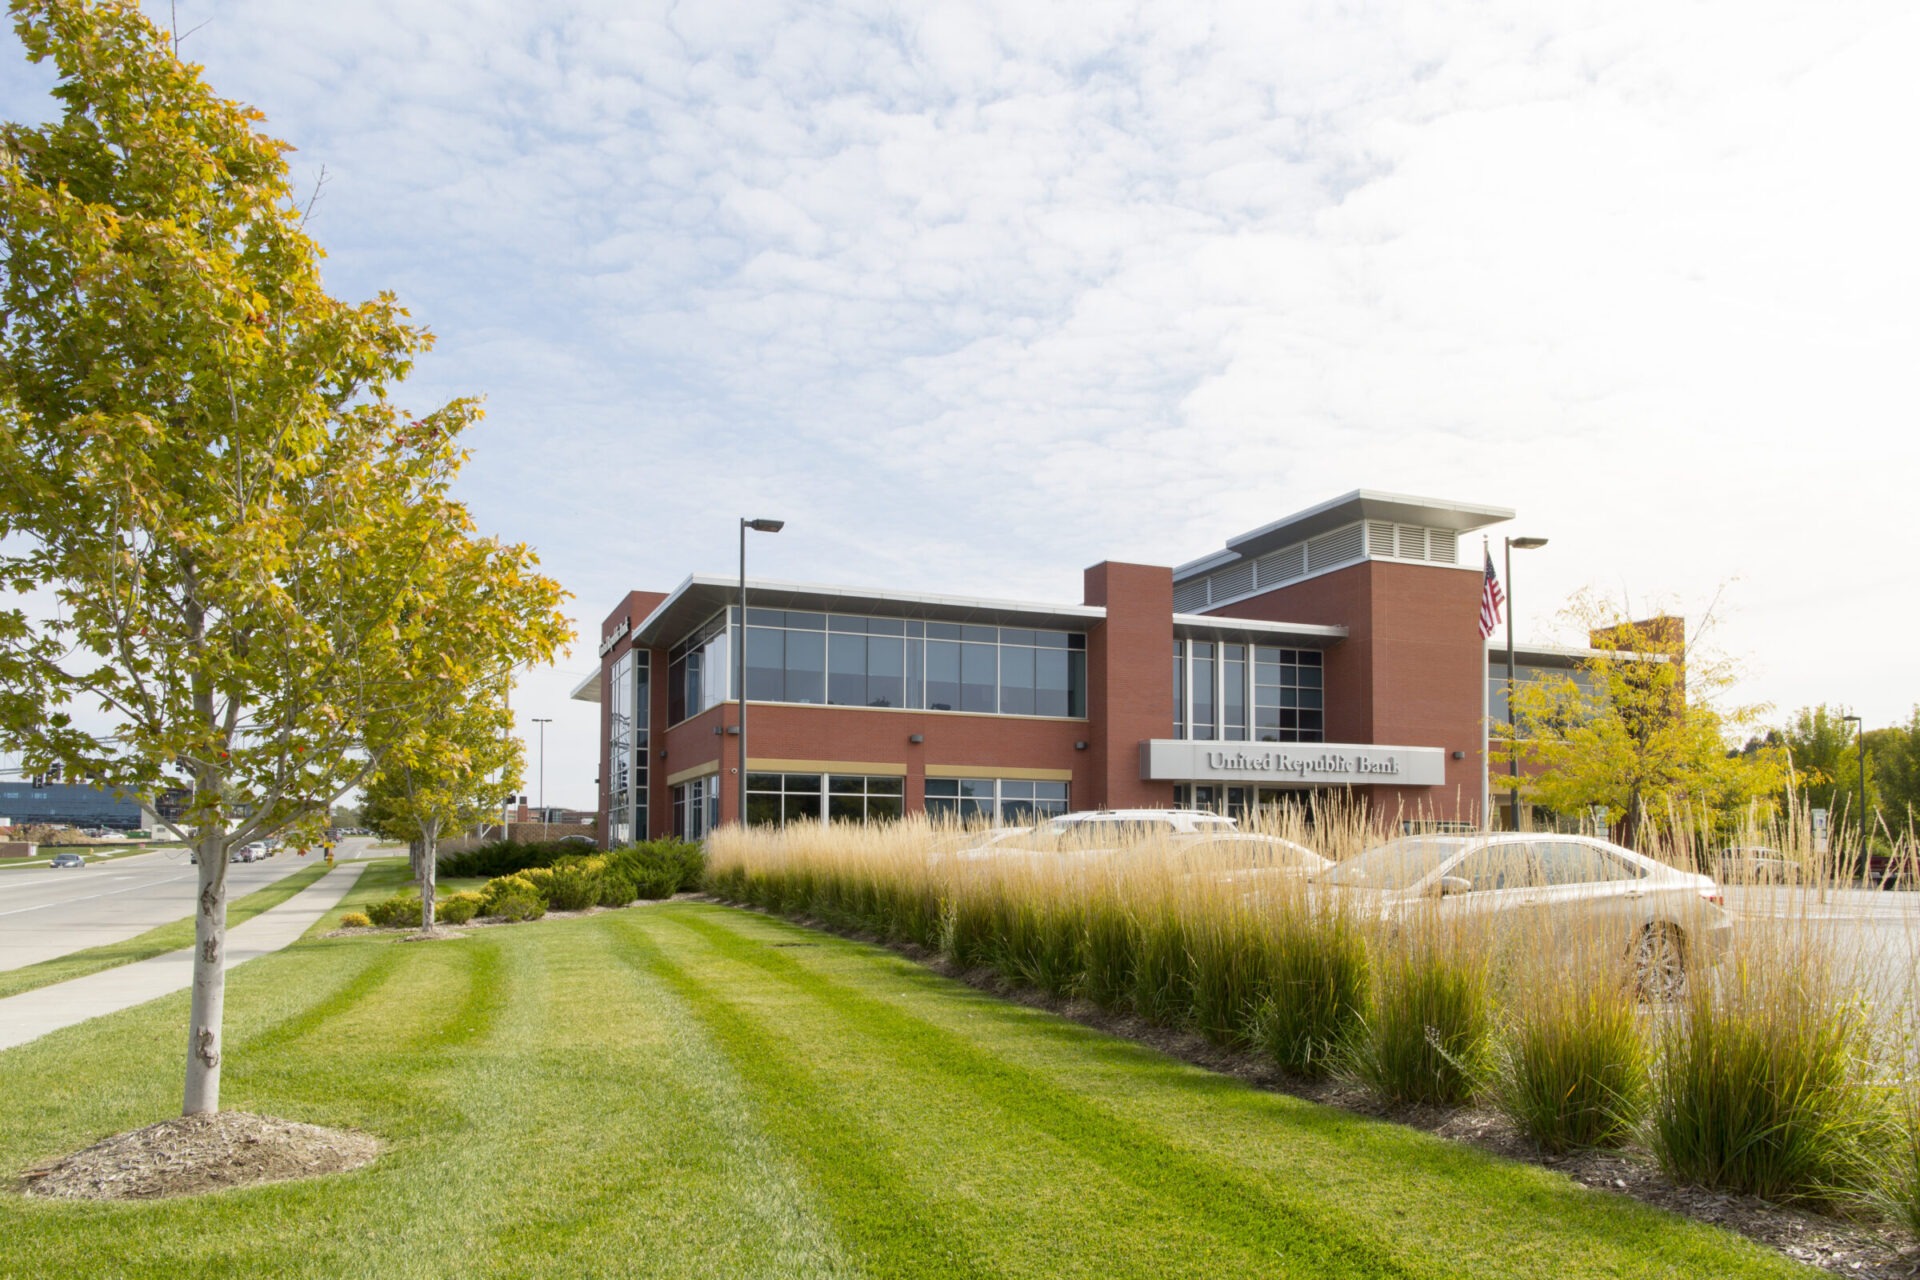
(1337, 650)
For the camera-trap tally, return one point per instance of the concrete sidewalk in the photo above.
(32, 1014)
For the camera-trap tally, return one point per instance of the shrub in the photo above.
(400, 910)
(1427, 1038)
(1762, 1088)
(660, 868)
(1318, 998)
(657, 882)
(616, 890)
(569, 886)
(1903, 1172)
(504, 857)
(518, 904)
(355, 920)
(457, 908)
(1573, 1069)
(501, 886)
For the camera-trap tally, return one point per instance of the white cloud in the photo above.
(977, 294)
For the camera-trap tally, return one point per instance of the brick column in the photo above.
(1129, 682)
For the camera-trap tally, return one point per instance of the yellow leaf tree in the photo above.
(203, 471)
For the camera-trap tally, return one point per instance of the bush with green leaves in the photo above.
(504, 857)
(518, 904)
(399, 911)
(457, 908)
(660, 868)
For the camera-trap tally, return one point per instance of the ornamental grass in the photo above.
(1768, 1074)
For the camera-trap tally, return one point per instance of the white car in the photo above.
(1095, 831)
(1248, 858)
(1661, 917)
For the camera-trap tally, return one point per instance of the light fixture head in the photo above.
(916, 738)
(764, 525)
(1527, 544)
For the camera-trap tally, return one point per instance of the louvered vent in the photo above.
(1190, 597)
(1413, 542)
(1234, 581)
(1442, 547)
(1283, 565)
(1380, 538)
(1338, 547)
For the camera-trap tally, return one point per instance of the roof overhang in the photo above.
(1565, 656)
(699, 598)
(1361, 504)
(1294, 635)
(588, 690)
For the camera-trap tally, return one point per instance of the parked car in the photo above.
(1661, 918)
(67, 860)
(1248, 858)
(1756, 865)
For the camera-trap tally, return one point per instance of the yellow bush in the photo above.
(355, 920)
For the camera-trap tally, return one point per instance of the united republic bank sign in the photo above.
(1298, 764)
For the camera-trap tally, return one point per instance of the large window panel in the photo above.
(806, 674)
(766, 663)
(943, 675)
(886, 671)
(1016, 680)
(847, 670)
(979, 676)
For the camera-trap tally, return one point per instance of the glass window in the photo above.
(886, 672)
(1233, 692)
(943, 675)
(1016, 680)
(806, 666)
(1200, 688)
(847, 670)
(1052, 682)
(979, 676)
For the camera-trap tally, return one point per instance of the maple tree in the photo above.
(226, 536)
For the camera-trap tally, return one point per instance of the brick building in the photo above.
(1337, 649)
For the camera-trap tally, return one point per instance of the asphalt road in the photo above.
(46, 913)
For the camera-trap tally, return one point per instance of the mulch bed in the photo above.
(1865, 1250)
(189, 1155)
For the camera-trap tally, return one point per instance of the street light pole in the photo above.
(543, 722)
(1866, 831)
(740, 659)
(1513, 753)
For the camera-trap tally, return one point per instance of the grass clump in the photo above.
(1429, 1037)
(1319, 991)
(1762, 1086)
(356, 920)
(1572, 1071)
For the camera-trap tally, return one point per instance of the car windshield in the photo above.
(1396, 864)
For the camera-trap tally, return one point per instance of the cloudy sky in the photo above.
(974, 296)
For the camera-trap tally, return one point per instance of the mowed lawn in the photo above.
(687, 1090)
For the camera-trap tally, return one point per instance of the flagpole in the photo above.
(1486, 718)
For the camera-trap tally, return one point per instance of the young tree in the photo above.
(444, 777)
(1824, 762)
(1893, 767)
(1637, 728)
(447, 769)
(200, 462)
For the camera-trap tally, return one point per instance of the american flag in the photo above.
(1491, 598)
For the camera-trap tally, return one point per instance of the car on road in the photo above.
(1661, 919)
(67, 860)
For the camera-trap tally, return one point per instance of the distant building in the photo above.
(73, 805)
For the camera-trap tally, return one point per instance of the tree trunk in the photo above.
(204, 1025)
(429, 873)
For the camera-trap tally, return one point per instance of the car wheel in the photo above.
(1660, 962)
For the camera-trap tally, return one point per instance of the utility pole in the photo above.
(543, 722)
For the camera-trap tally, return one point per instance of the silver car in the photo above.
(1661, 919)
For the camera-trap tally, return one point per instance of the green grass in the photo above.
(94, 852)
(689, 1090)
(154, 942)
